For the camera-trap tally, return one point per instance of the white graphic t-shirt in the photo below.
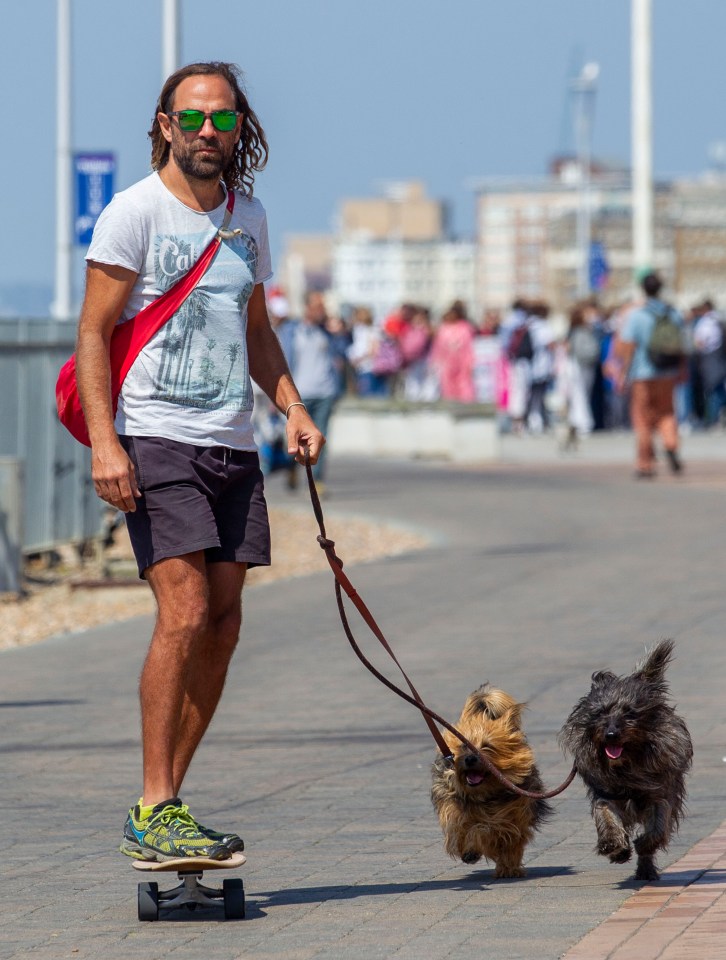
(191, 381)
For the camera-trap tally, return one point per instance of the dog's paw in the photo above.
(471, 856)
(508, 873)
(614, 844)
(620, 856)
(646, 871)
(617, 849)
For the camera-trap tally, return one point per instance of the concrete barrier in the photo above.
(461, 434)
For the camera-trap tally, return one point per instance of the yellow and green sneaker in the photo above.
(167, 831)
(232, 841)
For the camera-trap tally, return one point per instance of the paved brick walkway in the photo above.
(682, 917)
(541, 569)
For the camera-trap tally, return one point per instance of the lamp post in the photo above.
(62, 306)
(170, 38)
(584, 87)
(642, 135)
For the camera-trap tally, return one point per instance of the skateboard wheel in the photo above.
(233, 893)
(148, 900)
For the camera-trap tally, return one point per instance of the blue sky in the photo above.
(355, 92)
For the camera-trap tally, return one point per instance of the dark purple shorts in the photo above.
(197, 498)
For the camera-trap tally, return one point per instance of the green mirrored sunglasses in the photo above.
(223, 120)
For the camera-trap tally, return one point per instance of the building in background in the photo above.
(306, 264)
(698, 216)
(395, 248)
(383, 274)
(403, 212)
(520, 239)
(612, 231)
(384, 251)
(528, 245)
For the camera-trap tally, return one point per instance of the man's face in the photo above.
(202, 154)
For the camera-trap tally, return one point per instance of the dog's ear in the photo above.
(653, 667)
(512, 716)
(602, 677)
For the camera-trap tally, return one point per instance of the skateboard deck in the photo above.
(190, 864)
(190, 893)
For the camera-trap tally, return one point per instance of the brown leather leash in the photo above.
(431, 718)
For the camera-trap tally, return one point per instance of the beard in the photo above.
(192, 162)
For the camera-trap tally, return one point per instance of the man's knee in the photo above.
(181, 590)
(186, 618)
(223, 627)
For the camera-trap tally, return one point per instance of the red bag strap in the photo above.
(131, 337)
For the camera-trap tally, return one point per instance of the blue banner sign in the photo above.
(94, 189)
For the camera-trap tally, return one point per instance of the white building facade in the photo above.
(515, 221)
(383, 274)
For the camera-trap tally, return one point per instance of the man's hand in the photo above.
(301, 433)
(114, 477)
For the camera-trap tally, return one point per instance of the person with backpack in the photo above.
(652, 349)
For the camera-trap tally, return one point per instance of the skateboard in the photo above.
(190, 892)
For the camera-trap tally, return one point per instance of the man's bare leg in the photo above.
(182, 594)
(211, 659)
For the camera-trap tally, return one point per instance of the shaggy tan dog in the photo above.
(478, 815)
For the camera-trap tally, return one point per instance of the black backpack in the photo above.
(520, 344)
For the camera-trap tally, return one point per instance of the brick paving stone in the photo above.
(683, 916)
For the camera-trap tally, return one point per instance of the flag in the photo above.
(599, 268)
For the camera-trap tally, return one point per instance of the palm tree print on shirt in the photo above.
(202, 356)
(232, 353)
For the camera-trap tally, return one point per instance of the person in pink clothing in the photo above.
(452, 355)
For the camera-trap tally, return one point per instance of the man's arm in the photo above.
(107, 290)
(624, 351)
(269, 369)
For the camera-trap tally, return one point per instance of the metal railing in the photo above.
(57, 500)
(10, 525)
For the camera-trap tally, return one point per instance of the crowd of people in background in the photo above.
(537, 373)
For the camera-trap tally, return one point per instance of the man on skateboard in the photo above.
(179, 457)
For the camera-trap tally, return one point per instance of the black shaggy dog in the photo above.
(633, 752)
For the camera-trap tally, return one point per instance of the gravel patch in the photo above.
(55, 607)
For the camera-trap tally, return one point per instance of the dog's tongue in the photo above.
(474, 779)
(613, 752)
